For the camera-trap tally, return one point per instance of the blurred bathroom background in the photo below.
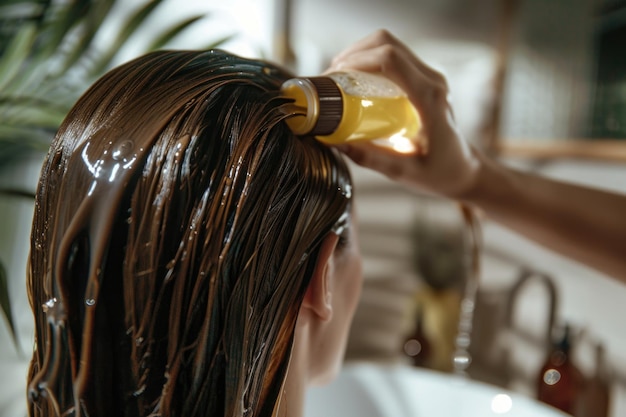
(539, 84)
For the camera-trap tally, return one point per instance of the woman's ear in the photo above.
(318, 296)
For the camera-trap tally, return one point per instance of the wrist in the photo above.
(489, 184)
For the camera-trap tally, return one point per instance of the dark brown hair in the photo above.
(177, 225)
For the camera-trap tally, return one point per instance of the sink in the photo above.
(381, 390)
(367, 390)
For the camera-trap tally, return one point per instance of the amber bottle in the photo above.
(560, 383)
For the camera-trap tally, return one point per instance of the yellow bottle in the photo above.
(353, 106)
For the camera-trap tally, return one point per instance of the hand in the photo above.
(450, 166)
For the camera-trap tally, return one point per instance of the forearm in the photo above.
(584, 224)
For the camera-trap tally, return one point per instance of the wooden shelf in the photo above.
(613, 150)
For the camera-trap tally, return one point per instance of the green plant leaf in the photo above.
(172, 32)
(13, 12)
(219, 42)
(14, 192)
(59, 22)
(26, 137)
(92, 23)
(129, 28)
(31, 111)
(5, 305)
(16, 53)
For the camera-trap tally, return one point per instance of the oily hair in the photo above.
(177, 225)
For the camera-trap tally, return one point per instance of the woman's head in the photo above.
(178, 227)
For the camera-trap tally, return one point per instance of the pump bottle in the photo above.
(560, 382)
(353, 106)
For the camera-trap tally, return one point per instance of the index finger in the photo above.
(383, 37)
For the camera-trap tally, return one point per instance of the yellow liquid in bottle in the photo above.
(370, 118)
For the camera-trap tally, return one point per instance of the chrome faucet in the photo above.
(525, 276)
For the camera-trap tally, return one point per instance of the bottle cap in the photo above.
(330, 106)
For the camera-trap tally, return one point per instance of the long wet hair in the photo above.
(177, 225)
